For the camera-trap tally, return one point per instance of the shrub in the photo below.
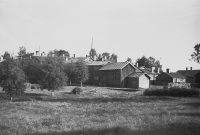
(179, 85)
(175, 92)
(76, 90)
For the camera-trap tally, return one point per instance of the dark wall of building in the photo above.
(127, 70)
(197, 79)
(110, 78)
(163, 79)
(94, 75)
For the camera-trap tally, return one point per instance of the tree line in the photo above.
(51, 73)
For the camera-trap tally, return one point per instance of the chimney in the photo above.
(63, 55)
(95, 58)
(86, 55)
(190, 68)
(186, 68)
(37, 53)
(67, 58)
(136, 64)
(167, 70)
(74, 55)
(152, 69)
(105, 58)
(158, 70)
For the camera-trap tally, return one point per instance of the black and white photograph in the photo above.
(99, 67)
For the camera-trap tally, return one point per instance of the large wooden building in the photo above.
(121, 74)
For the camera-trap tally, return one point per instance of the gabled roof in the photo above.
(116, 66)
(175, 75)
(188, 73)
(136, 74)
(96, 63)
(86, 59)
(40, 58)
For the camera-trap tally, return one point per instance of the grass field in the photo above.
(98, 110)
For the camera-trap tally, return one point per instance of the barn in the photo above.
(138, 80)
(116, 74)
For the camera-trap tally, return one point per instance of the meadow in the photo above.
(98, 111)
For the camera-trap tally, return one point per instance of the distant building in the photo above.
(192, 76)
(165, 77)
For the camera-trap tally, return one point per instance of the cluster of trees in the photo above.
(52, 73)
(106, 55)
(147, 62)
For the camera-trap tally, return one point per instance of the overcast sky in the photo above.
(164, 29)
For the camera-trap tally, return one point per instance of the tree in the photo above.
(196, 54)
(22, 51)
(6, 56)
(106, 54)
(114, 57)
(52, 74)
(93, 53)
(148, 63)
(70, 70)
(59, 53)
(12, 77)
(82, 73)
(129, 60)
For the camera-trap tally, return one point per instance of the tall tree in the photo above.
(53, 76)
(6, 56)
(93, 53)
(70, 70)
(22, 51)
(114, 57)
(106, 54)
(82, 73)
(196, 54)
(149, 63)
(12, 77)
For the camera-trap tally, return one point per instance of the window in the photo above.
(113, 76)
(96, 78)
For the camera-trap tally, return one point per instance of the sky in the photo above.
(164, 29)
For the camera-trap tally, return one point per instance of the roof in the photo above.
(136, 74)
(175, 75)
(86, 59)
(96, 63)
(147, 70)
(188, 73)
(40, 58)
(116, 66)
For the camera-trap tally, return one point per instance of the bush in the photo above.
(179, 85)
(175, 92)
(76, 90)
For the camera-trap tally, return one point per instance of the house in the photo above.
(165, 77)
(93, 67)
(151, 73)
(138, 80)
(116, 74)
(192, 76)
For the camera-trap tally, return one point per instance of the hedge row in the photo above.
(175, 92)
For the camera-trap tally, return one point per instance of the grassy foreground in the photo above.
(109, 111)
